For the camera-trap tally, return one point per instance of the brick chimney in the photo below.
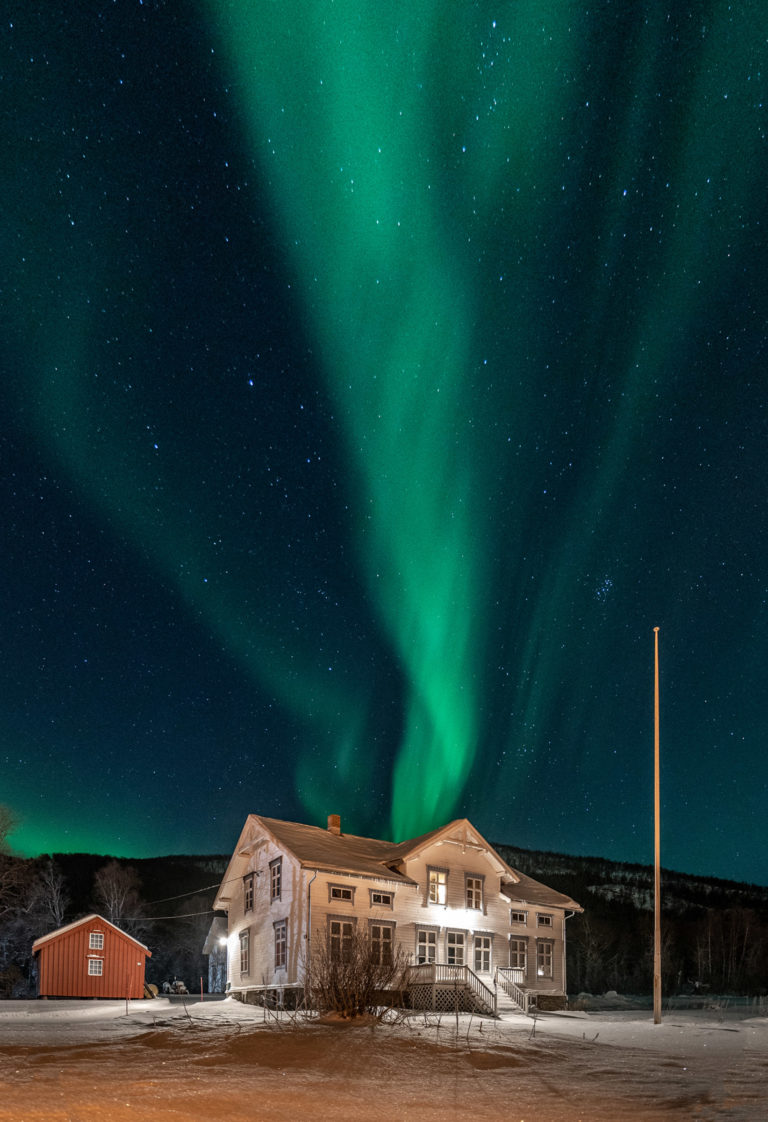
(334, 824)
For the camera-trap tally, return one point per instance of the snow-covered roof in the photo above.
(317, 848)
(530, 891)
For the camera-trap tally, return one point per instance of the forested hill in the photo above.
(162, 880)
(589, 879)
(714, 932)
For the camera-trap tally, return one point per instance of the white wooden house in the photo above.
(467, 922)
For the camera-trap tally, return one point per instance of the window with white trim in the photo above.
(245, 952)
(248, 892)
(543, 919)
(281, 944)
(474, 892)
(382, 936)
(426, 945)
(437, 880)
(96, 966)
(96, 940)
(276, 878)
(482, 954)
(454, 945)
(545, 958)
(518, 917)
(341, 892)
(518, 953)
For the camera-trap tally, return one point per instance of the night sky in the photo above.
(375, 377)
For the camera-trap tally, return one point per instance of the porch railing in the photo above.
(508, 978)
(436, 973)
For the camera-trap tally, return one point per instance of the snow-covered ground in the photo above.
(77, 1061)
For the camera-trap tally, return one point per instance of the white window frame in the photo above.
(276, 879)
(248, 880)
(545, 958)
(518, 954)
(245, 952)
(95, 967)
(96, 941)
(483, 951)
(518, 917)
(281, 944)
(455, 942)
(426, 948)
(474, 891)
(545, 919)
(437, 885)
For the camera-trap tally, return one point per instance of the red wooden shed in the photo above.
(90, 958)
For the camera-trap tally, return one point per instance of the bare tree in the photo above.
(351, 977)
(8, 823)
(118, 898)
(14, 871)
(49, 898)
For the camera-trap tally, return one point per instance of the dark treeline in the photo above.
(714, 932)
(164, 902)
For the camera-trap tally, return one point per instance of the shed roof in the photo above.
(89, 919)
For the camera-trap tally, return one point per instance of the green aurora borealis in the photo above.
(385, 374)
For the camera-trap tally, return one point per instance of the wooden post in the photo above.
(657, 842)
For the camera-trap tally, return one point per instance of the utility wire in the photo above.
(194, 892)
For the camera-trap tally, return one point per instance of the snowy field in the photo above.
(83, 1061)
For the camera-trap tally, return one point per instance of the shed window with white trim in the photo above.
(96, 941)
(96, 966)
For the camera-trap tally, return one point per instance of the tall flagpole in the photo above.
(657, 843)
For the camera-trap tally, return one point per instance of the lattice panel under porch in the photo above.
(446, 999)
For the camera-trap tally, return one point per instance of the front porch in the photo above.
(442, 988)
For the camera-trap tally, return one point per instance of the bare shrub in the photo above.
(353, 980)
